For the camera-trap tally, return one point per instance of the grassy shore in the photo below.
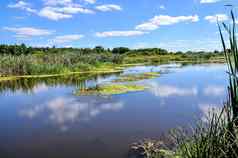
(102, 68)
(16, 62)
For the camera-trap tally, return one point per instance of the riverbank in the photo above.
(107, 68)
(40, 62)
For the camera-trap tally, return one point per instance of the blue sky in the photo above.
(170, 24)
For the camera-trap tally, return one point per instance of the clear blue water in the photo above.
(45, 119)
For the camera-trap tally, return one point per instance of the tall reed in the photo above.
(218, 136)
(231, 54)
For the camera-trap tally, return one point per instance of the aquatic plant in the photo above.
(151, 149)
(137, 77)
(110, 89)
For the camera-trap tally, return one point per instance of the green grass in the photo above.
(101, 69)
(61, 63)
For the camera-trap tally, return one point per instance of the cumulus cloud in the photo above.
(67, 38)
(53, 15)
(217, 17)
(108, 7)
(22, 5)
(58, 13)
(119, 33)
(28, 31)
(209, 1)
(90, 1)
(55, 9)
(73, 10)
(57, 2)
(161, 20)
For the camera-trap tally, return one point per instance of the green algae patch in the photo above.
(136, 77)
(110, 89)
(7, 78)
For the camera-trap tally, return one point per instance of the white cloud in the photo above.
(55, 9)
(213, 90)
(57, 2)
(58, 13)
(209, 1)
(119, 33)
(162, 7)
(28, 31)
(147, 26)
(160, 20)
(22, 5)
(67, 38)
(108, 7)
(90, 1)
(217, 17)
(53, 15)
(73, 10)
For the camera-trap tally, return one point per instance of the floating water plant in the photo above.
(151, 149)
(137, 77)
(110, 89)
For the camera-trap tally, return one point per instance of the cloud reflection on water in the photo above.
(169, 90)
(64, 111)
(214, 90)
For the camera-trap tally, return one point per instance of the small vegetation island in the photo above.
(23, 61)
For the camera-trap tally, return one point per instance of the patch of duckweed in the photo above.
(137, 77)
(111, 89)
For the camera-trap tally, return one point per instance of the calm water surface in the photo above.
(44, 119)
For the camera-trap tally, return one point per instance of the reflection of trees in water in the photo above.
(29, 84)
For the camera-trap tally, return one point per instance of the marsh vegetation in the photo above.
(20, 60)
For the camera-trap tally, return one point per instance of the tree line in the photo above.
(23, 49)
